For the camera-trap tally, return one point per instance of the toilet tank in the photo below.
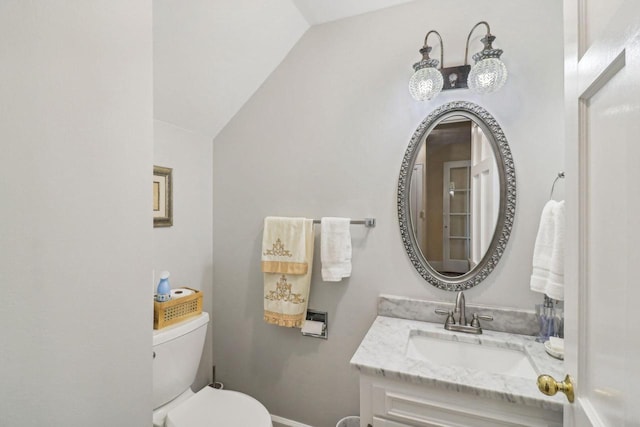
(177, 351)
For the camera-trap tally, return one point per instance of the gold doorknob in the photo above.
(549, 386)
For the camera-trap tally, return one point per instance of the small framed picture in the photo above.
(162, 197)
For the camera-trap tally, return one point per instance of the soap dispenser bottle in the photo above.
(164, 290)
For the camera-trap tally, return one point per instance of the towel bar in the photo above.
(367, 222)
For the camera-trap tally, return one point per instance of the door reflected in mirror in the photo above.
(454, 200)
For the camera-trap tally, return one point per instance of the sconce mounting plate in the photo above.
(455, 77)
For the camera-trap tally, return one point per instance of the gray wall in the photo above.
(185, 249)
(325, 136)
(75, 265)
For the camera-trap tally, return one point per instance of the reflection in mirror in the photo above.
(456, 196)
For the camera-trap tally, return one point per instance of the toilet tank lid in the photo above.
(172, 332)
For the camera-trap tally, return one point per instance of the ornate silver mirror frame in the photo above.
(507, 206)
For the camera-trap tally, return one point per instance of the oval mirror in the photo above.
(456, 196)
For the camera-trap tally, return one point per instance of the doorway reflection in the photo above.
(453, 207)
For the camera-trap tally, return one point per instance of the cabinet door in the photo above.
(405, 409)
(380, 422)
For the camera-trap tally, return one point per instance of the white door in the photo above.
(485, 195)
(602, 94)
(456, 212)
(416, 202)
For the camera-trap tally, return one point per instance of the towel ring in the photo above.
(560, 175)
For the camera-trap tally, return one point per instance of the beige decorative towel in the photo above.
(284, 246)
(286, 295)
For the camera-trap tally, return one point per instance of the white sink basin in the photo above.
(481, 357)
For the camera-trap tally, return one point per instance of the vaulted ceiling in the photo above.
(210, 56)
(321, 11)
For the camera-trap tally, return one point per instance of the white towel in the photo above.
(335, 248)
(284, 245)
(555, 281)
(547, 275)
(543, 248)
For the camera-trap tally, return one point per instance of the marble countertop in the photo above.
(383, 353)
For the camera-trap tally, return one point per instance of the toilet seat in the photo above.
(211, 407)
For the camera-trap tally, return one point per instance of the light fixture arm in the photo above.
(426, 49)
(487, 40)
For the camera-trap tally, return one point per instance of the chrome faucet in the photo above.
(457, 319)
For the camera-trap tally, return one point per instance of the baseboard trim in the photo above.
(286, 422)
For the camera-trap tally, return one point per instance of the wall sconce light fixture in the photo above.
(488, 73)
(427, 81)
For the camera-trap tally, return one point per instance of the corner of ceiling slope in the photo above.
(322, 11)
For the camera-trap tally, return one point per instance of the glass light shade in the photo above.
(425, 83)
(487, 75)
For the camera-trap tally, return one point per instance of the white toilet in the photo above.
(176, 355)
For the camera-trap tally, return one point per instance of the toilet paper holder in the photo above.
(310, 330)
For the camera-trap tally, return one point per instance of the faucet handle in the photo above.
(475, 322)
(449, 313)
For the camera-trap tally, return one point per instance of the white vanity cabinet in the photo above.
(404, 381)
(391, 403)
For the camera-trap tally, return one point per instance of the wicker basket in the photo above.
(176, 310)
